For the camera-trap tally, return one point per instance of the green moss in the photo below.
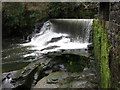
(101, 53)
(40, 67)
(76, 66)
(72, 62)
(76, 63)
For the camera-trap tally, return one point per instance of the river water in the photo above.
(55, 35)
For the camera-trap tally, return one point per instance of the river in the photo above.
(56, 35)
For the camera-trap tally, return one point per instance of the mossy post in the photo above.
(109, 21)
(101, 53)
(101, 46)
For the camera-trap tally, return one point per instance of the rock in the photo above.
(90, 47)
(51, 81)
(56, 71)
(66, 80)
(29, 75)
(54, 40)
(82, 84)
(50, 47)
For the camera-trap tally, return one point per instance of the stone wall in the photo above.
(114, 41)
(109, 15)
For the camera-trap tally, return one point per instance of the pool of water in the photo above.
(13, 55)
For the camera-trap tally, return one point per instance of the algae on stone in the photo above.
(101, 53)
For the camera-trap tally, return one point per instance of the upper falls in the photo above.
(57, 34)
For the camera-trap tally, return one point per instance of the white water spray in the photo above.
(57, 34)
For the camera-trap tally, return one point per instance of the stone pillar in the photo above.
(104, 11)
(114, 40)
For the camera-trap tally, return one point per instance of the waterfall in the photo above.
(57, 34)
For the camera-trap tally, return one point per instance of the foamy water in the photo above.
(43, 41)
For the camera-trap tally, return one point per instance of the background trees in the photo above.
(18, 19)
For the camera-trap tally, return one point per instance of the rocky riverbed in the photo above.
(54, 70)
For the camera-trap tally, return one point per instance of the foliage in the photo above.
(19, 18)
(60, 10)
(12, 15)
(76, 63)
(101, 53)
(72, 10)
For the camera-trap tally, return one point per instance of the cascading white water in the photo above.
(57, 34)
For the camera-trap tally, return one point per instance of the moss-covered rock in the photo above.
(56, 70)
(67, 80)
(68, 71)
(101, 53)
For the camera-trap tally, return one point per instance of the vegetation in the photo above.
(101, 53)
(75, 63)
(19, 18)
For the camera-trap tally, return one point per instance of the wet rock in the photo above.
(50, 47)
(82, 84)
(7, 80)
(51, 81)
(60, 77)
(56, 71)
(64, 80)
(28, 76)
(90, 47)
(54, 39)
